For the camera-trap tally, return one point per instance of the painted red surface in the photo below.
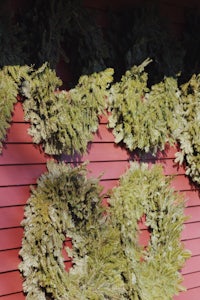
(21, 163)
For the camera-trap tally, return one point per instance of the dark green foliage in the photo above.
(152, 272)
(11, 49)
(85, 42)
(44, 23)
(47, 31)
(141, 32)
(191, 44)
(64, 121)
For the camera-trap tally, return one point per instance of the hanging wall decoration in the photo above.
(64, 121)
(152, 272)
(66, 203)
(108, 262)
(144, 118)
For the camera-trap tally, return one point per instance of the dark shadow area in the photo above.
(67, 35)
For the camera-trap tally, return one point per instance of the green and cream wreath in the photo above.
(106, 253)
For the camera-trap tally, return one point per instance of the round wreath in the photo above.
(66, 203)
(152, 272)
(106, 254)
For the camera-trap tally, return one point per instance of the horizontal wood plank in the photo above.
(114, 169)
(18, 133)
(10, 282)
(193, 214)
(106, 152)
(22, 154)
(11, 238)
(182, 183)
(191, 265)
(20, 174)
(18, 113)
(191, 231)
(103, 119)
(9, 260)
(108, 185)
(103, 134)
(192, 294)
(169, 167)
(192, 197)
(15, 296)
(109, 170)
(193, 246)
(14, 195)
(11, 216)
(192, 280)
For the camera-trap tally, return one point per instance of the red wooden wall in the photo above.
(21, 163)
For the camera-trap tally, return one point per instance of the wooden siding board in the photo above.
(10, 282)
(14, 195)
(181, 183)
(11, 216)
(106, 152)
(21, 163)
(11, 238)
(109, 170)
(193, 245)
(191, 231)
(14, 154)
(192, 265)
(20, 174)
(103, 134)
(9, 260)
(193, 214)
(14, 296)
(18, 113)
(108, 184)
(191, 280)
(18, 133)
(192, 294)
(192, 197)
